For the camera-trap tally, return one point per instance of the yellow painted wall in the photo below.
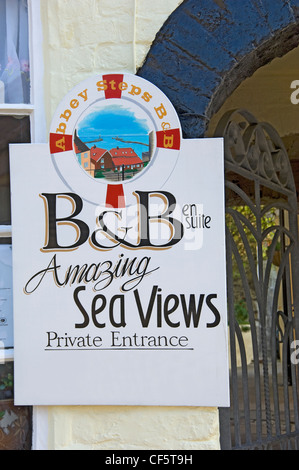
(131, 428)
(267, 95)
(84, 38)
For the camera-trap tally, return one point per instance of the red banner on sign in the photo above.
(60, 143)
(170, 139)
(115, 196)
(113, 89)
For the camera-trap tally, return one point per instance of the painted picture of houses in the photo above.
(114, 141)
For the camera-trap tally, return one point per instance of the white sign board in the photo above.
(119, 269)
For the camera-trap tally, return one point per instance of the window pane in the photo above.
(12, 131)
(14, 52)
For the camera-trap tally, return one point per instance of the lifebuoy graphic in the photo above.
(113, 134)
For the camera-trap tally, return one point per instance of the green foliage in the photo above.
(267, 221)
(241, 312)
(6, 382)
(6, 377)
(98, 174)
(243, 224)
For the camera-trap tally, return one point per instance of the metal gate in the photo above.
(262, 272)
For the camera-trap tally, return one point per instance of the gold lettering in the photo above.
(146, 97)
(74, 104)
(83, 94)
(161, 111)
(168, 141)
(165, 126)
(61, 128)
(60, 144)
(135, 90)
(102, 85)
(66, 115)
(122, 86)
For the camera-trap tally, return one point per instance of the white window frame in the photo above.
(36, 112)
(36, 107)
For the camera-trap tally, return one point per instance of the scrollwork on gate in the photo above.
(262, 271)
(256, 147)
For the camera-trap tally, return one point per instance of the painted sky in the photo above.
(115, 120)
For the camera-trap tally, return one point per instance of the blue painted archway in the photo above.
(206, 48)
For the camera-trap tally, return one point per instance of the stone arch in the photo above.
(205, 49)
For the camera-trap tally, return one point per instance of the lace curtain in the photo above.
(14, 52)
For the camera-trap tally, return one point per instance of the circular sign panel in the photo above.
(113, 134)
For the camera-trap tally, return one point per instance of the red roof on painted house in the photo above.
(123, 152)
(118, 161)
(96, 153)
